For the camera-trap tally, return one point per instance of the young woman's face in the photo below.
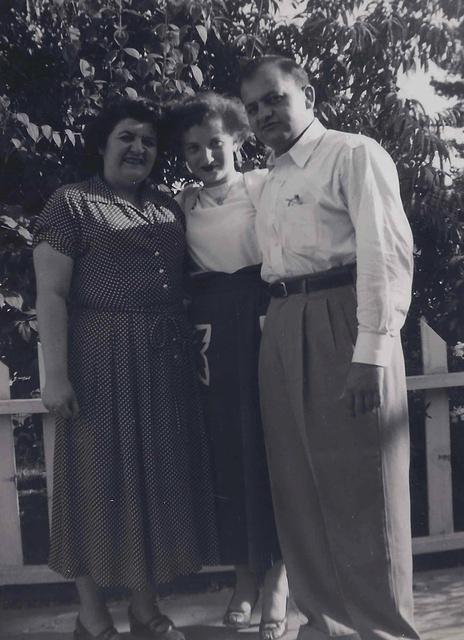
(209, 152)
(129, 153)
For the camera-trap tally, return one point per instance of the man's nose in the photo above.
(264, 111)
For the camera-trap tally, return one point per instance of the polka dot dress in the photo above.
(132, 503)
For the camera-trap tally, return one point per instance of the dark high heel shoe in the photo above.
(159, 627)
(81, 633)
(238, 619)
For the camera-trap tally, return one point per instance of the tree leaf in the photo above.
(71, 137)
(16, 142)
(14, 300)
(132, 52)
(197, 74)
(202, 32)
(132, 93)
(33, 131)
(57, 138)
(47, 131)
(23, 117)
(87, 70)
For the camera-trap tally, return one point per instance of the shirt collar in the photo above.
(301, 151)
(100, 191)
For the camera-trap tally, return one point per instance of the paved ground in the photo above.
(439, 597)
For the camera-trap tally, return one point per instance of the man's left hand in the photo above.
(363, 388)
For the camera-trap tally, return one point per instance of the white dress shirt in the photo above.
(331, 200)
(222, 237)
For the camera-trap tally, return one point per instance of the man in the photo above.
(337, 252)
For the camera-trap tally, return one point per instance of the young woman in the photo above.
(132, 500)
(229, 303)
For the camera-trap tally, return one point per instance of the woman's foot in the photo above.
(244, 598)
(82, 632)
(94, 619)
(147, 621)
(273, 623)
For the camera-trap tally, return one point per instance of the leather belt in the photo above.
(337, 277)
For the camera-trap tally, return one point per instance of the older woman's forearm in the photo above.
(53, 329)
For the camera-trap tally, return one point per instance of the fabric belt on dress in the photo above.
(336, 277)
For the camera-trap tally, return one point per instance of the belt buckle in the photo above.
(283, 286)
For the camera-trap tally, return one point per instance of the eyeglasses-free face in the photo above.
(278, 107)
(209, 152)
(129, 153)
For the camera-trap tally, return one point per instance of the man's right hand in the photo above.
(59, 398)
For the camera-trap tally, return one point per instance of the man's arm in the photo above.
(384, 268)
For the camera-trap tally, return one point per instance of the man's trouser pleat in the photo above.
(340, 484)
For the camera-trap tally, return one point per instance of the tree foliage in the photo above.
(60, 59)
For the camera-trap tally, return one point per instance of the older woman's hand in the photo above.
(59, 398)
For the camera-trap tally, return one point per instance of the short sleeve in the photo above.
(169, 201)
(59, 225)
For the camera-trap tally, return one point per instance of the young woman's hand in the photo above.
(59, 398)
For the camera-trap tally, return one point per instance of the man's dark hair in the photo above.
(287, 66)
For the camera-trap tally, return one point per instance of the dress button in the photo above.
(157, 253)
(165, 286)
(161, 271)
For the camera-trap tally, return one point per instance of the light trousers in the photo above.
(340, 484)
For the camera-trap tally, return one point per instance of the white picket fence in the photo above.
(435, 381)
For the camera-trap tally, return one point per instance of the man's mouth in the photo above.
(268, 125)
(210, 167)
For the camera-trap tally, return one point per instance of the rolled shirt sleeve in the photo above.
(384, 249)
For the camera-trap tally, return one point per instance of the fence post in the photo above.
(48, 430)
(10, 532)
(437, 436)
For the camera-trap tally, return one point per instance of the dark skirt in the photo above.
(228, 311)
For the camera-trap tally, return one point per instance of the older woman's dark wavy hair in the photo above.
(99, 128)
(196, 110)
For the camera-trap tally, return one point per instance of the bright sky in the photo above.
(417, 85)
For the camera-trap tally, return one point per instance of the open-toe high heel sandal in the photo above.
(237, 618)
(274, 629)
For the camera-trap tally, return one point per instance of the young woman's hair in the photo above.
(98, 129)
(287, 66)
(184, 114)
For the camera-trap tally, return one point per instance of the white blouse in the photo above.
(220, 222)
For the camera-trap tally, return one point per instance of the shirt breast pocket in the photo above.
(301, 226)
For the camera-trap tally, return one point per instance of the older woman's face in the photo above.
(129, 153)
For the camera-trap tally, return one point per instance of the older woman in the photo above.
(132, 504)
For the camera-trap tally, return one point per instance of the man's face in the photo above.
(278, 108)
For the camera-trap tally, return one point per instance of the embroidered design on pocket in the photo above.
(296, 199)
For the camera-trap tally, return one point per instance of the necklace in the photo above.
(220, 199)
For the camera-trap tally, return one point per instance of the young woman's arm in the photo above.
(53, 274)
